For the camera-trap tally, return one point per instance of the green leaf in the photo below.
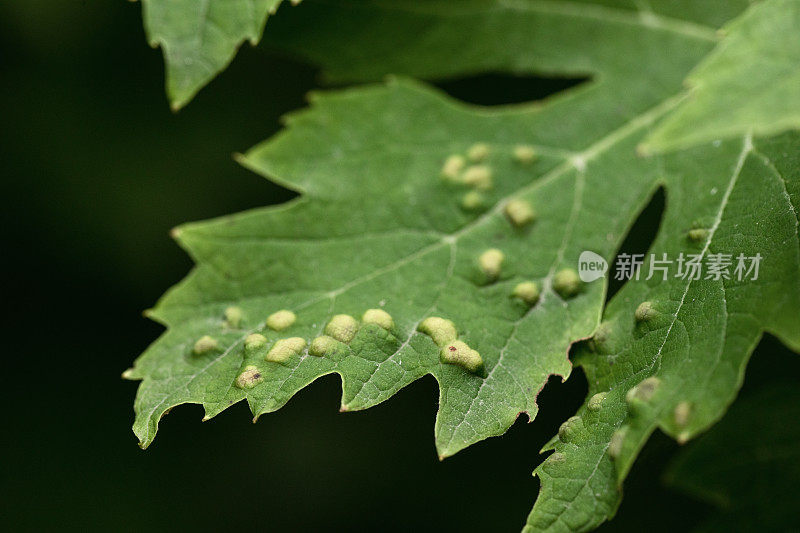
(696, 340)
(376, 226)
(749, 83)
(200, 37)
(748, 465)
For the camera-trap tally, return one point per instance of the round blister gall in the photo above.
(528, 292)
(567, 283)
(478, 152)
(478, 176)
(254, 341)
(249, 378)
(285, 348)
(323, 345)
(280, 320)
(596, 402)
(524, 155)
(205, 344)
(451, 170)
(379, 317)
(491, 262)
(342, 328)
(519, 212)
(645, 312)
(441, 330)
(233, 317)
(459, 353)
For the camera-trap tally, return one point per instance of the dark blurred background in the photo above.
(96, 170)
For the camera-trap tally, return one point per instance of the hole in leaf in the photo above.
(504, 89)
(640, 237)
(560, 400)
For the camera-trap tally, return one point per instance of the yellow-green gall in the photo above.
(249, 378)
(441, 330)
(645, 312)
(280, 320)
(596, 402)
(698, 235)
(682, 413)
(478, 152)
(491, 262)
(323, 345)
(233, 317)
(342, 328)
(519, 212)
(644, 391)
(527, 291)
(458, 353)
(617, 441)
(478, 176)
(254, 341)
(568, 430)
(453, 166)
(567, 283)
(524, 155)
(473, 200)
(379, 317)
(205, 344)
(285, 348)
(556, 458)
(601, 336)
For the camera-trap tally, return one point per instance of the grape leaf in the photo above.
(376, 226)
(748, 465)
(200, 37)
(750, 82)
(678, 366)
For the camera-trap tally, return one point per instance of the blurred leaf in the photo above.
(200, 37)
(748, 465)
(750, 82)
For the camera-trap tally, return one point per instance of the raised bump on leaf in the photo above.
(601, 336)
(555, 458)
(524, 155)
(645, 312)
(519, 212)
(379, 317)
(254, 341)
(596, 401)
(453, 166)
(285, 348)
(478, 176)
(478, 152)
(441, 330)
(491, 262)
(459, 353)
(698, 235)
(569, 429)
(527, 291)
(566, 283)
(472, 200)
(249, 378)
(342, 328)
(682, 413)
(644, 391)
(205, 344)
(617, 441)
(323, 345)
(233, 317)
(280, 320)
